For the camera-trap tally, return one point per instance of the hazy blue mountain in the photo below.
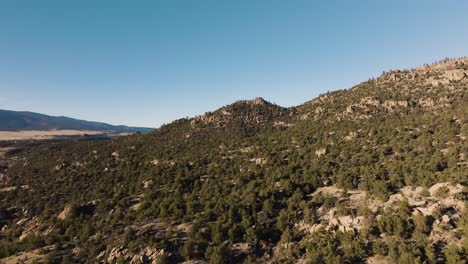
(19, 120)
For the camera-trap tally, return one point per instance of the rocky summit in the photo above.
(377, 173)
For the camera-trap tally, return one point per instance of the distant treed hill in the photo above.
(13, 120)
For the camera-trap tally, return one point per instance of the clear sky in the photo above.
(149, 62)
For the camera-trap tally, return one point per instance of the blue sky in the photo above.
(149, 62)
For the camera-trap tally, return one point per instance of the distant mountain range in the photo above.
(19, 120)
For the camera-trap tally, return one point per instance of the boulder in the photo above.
(147, 256)
(320, 152)
(259, 161)
(455, 75)
(118, 254)
(258, 101)
(65, 213)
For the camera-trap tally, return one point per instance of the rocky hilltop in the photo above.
(256, 113)
(425, 88)
(376, 173)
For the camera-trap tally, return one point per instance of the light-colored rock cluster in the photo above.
(204, 119)
(439, 201)
(258, 101)
(320, 152)
(65, 213)
(443, 72)
(157, 162)
(455, 75)
(259, 161)
(147, 255)
(282, 124)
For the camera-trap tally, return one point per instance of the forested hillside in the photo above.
(375, 173)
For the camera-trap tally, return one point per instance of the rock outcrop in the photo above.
(65, 213)
(428, 202)
(119, 254)
(455, 75)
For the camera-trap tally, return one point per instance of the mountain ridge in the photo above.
(26, 120)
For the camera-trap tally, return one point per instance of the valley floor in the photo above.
(41, 135)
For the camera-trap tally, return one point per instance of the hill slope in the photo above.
(14, 121)
(378, 172)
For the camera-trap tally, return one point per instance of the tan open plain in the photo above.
(49, 134)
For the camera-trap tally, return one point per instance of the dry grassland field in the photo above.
(38, 135)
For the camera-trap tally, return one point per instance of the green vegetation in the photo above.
(241, 177)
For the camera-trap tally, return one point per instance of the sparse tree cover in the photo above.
(243, 184)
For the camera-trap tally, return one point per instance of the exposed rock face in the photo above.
(147, 255)
(401, 91)
(344, 223)
(328, 191)
(258, 101)
(208, 118)
(452, 189)
(391, 104)
(395, 75)
(118, 253)
(65, 213)
(423, 202)
(148, 184)
(436, 81)
(28, 226)
(378, 260)
(455, 75)
(370, 101)
(450, 69)
(225, 112)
